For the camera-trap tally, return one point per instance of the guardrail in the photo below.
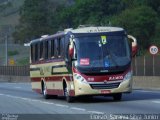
(146, 65)
(14, 70)
(142, 66)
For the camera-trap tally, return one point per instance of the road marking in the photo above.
(76, 108)
(60, 105)
(147, 91)
(95, 112)
(18, 87)
(49, 103)
(156, 101)
(27, 99)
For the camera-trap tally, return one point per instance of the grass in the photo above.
(13, 53)
(23, 61)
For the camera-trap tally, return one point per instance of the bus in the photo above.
(86, 61)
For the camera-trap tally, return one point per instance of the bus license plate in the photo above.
(105, 91)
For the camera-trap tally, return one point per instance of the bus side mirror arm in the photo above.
(134, 45)
(72, 51)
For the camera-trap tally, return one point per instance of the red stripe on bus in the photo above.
(49, 79)
(59, 92)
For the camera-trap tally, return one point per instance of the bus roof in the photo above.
(82, 29)
(44, 37)
(94, 29)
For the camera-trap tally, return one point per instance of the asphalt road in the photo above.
(18, 101)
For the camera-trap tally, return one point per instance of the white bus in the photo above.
(86, 61)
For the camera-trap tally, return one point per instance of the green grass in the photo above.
(23, 61)
(13, 53)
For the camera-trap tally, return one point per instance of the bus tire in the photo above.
(68, 98)
(117, 96)
(44, 91)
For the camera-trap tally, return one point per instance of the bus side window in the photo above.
(36, 52)
(41, 53)
(59, 47)
(62, 47)
(46, 50)
(52, 48)
(32, 53)
(49, 49)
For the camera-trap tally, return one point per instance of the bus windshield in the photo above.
(102, 52)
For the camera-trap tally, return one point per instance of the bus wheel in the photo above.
(66, 94)
(44, 91)
(117, 96)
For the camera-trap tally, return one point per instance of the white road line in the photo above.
(18, 87)
(60, 105)
(33, 100)
(49, 103)
(76, 108)
(156, 101)
(147, 91)
(95, 112)
(28, 99)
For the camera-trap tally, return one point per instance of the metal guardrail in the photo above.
(14, 70)
(146, 66)
(142, 66)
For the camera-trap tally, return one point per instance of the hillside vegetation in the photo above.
(9, 18)
(9, 12)
(141, 18)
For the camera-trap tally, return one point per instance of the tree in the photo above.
(90, 12)
(140, 22)
(35, 19)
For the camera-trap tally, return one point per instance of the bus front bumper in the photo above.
(86, 89)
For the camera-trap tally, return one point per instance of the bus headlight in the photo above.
(79, 78)
(128, 76)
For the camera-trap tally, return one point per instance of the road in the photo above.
(19, 99)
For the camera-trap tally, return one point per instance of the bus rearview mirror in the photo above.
(71, 49)
(134, 45)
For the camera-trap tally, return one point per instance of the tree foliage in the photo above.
(139, 17)
(141, 23)
(36, 19)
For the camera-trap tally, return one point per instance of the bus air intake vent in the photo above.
(105, 85)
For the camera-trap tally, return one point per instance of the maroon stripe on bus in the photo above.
(55, 92)
(59, 92)
(49, 79)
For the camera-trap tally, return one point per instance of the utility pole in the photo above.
(6, 49)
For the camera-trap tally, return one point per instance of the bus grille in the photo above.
(105, 86)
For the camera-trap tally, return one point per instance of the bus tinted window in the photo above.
(32, 53)
(41, 50)
(36, 52)
(62, 47)
(46, 49)
(59, 47)
(52, 48)
(49, 49)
